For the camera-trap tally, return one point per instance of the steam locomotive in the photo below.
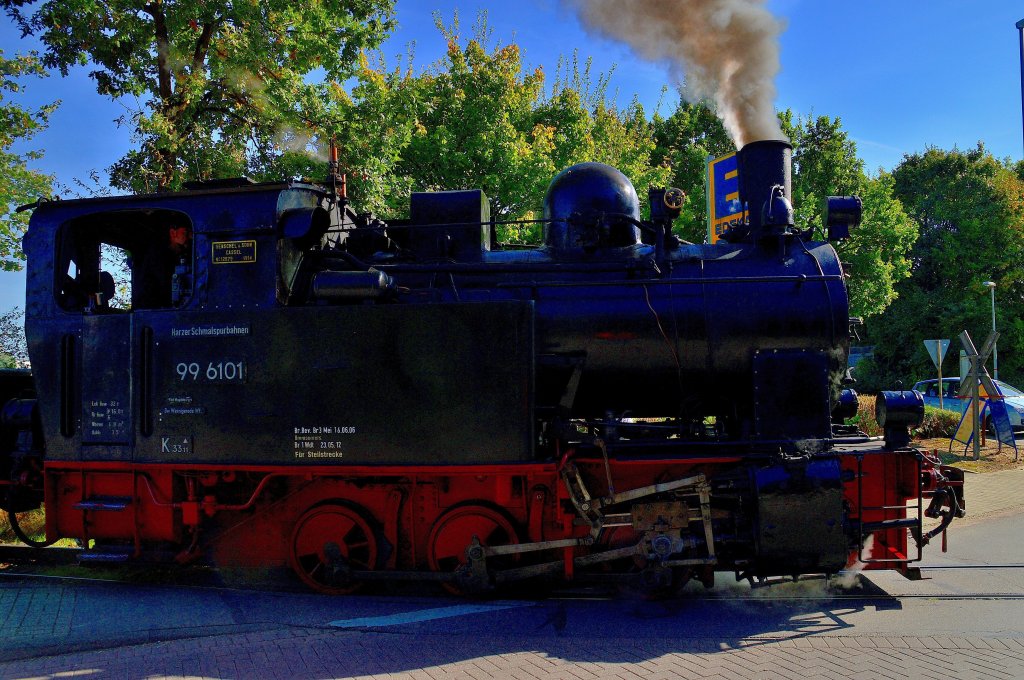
(289, 382)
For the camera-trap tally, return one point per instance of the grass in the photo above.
(994, 456)
(32, 523)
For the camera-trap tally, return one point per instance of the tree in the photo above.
(877, 255)
(18, 184)
(685, 139)
(475, 126)
(218, 81)
(969, 208)
(481, 121)
(13, 347)
(825, 163)
(476, 119)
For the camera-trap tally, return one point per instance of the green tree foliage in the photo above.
(825, 163)
(372, 124)
(218, 81)
(476, 119)
(13, 347)
(18, 184)
(969, 208)
(482, 121)
(877, 257)
(685, 140)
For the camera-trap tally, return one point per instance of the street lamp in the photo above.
(991, 285)
(1020, 30)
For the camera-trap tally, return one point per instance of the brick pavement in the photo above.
(308, 653)
(28, 614)
(993, 492)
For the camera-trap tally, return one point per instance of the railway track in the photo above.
(19, 554)
(19, 562)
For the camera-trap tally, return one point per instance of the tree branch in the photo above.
(203, 44)
(155, 9)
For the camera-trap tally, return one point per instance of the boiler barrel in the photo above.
(691, 337)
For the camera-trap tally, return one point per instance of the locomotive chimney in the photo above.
(766, 187)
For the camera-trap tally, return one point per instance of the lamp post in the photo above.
(991, 285)
(1020, 30)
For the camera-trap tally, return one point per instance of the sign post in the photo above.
(978, 378)
(937, 351)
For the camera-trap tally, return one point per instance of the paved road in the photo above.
(933, 628)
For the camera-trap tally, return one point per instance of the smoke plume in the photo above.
(725, 51)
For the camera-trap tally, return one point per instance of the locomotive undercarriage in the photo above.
(649, 522)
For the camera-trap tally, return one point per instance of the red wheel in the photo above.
(454, 531)
(328, 542)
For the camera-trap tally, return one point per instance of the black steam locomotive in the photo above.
(288, 381)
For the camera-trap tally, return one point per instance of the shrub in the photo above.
(937, 423)
(865, 418)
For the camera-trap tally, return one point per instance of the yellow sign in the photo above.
(234, 252)
(723, 189)
(965, 431)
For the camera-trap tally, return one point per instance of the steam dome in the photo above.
(587, 203)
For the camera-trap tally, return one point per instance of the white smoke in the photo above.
(850, 576)
(725, 51)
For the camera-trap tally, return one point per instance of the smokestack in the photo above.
(765, 179)
(727, 50)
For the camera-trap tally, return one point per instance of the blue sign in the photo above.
(723, 186)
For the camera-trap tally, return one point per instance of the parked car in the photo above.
(1013, 397)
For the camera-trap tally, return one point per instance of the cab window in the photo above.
(123, 260)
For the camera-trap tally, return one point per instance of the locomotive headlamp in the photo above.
(674, 199)
(842, 213)
(896, 413)
(665, 203)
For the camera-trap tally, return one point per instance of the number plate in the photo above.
(224, 371)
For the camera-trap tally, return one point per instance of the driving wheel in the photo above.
(328, 543)
(454, 531)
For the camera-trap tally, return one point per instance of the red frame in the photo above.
(245, 513)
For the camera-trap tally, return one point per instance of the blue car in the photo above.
(1013, 397)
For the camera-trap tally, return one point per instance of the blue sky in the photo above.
(902, 76)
